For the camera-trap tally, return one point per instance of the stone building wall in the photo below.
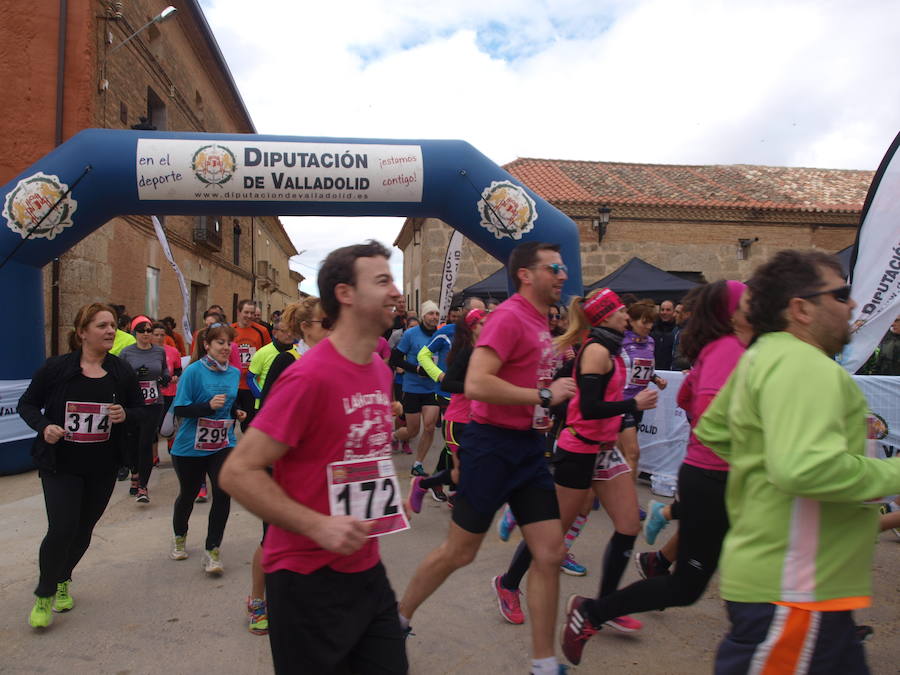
(170, 74)
(703, 241)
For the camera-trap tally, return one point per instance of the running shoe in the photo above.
(642, 514)
(890, 508)
(257, 617)
(437, 494)
(395, 446)
(577, 630)
(418, 470)
(407, 632)
(62, 601)
(508, 602)
(143, 497)
(416, 494)
(201, 496)
(451, 500)
(122, 473)
(863, 632)
(178, 550)
(156, 461)
(506, 524)
(41, 614)
(212, 563)
(649, 565)
(656, 521)
(135, 484)
(624, 624)
(571, 567)
(405, 448)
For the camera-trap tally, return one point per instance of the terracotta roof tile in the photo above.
(714, 186)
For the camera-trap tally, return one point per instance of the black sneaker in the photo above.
(437, 494)
(649, 565)
(122, 474)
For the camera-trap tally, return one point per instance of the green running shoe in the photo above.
(63, 602)
(212, 563)
(259, 621)
(42, 613)
(178, 550)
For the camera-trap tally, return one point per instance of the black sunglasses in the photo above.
(841, 294)
(144, 330)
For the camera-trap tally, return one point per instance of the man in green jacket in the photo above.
(792, 425)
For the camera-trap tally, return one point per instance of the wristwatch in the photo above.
(546, 396)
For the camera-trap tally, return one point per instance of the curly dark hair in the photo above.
(789, 274)
(707, 324)
(340, 268)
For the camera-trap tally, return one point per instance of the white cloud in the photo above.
(797, 83)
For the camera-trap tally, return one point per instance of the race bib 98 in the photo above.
(87, 422)
(149, 391)
(212, 435)
(368, 490)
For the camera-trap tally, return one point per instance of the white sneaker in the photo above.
(212, 563)
(178, 550)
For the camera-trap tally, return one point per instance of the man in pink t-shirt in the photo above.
(502, 448)
(326, 429)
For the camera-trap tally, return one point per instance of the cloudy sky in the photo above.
(788, 83)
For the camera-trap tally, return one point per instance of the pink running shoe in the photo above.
(508, 602)
(624, 624)
(416, 494)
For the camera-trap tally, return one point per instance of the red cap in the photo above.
(601, 305)
(474, 316)
(139, 320)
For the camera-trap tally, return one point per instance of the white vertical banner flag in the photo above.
(875, 265)
(185, 295)
(451, 269)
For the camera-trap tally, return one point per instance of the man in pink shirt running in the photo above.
(326, 430)
(502, 449)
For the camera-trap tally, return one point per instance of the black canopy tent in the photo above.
(493, 287)
(844, 256)
(645, 281)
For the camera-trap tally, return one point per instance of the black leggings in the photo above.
(702, 529)
(191, 473)
(143, 436)
(74, 505)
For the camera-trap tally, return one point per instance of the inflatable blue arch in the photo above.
(102, 173)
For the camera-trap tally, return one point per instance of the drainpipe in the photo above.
(57, 141)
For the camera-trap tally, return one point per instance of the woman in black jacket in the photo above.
(77, 403)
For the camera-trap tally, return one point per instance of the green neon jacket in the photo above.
(791, 423)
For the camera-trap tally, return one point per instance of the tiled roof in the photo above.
(715, 186)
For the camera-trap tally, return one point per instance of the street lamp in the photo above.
(600, 224)
(159, 18)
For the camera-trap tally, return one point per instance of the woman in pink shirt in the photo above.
(714, 340)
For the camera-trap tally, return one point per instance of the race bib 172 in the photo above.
(367, 489)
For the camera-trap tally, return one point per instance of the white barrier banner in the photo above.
(664, 431)
(12, 428)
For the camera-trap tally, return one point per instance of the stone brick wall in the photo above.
(703, 241)
(173, 61)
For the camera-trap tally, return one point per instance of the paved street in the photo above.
(139, 612)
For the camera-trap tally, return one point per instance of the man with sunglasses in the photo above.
(509, 384)
(791, 423)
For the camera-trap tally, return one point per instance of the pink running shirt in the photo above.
(327, 409)
(708, 375)
(520, 336)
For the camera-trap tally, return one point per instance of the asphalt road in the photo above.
(139, 612)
